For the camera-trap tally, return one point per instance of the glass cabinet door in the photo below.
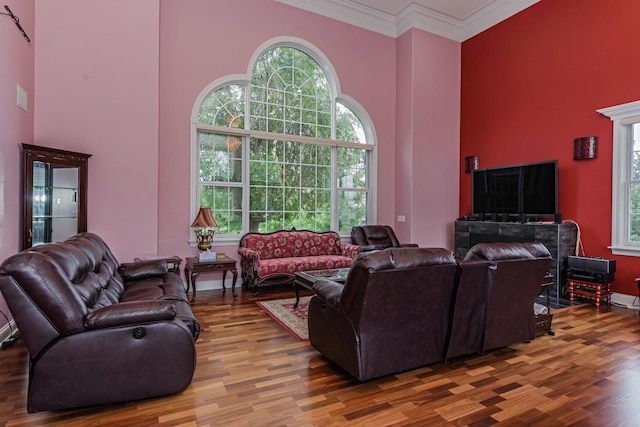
(55, 194)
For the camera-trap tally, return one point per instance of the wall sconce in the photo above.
(585, 148)
(471, 163)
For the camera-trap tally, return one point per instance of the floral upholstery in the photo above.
(280, 254)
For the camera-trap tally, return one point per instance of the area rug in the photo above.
(294, 320)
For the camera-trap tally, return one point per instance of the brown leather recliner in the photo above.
(499, 284)
(376, 237)
(96, 331)
(391, 315)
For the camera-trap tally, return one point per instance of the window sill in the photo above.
(625, 250)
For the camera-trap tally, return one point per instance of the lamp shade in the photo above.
(204, 219)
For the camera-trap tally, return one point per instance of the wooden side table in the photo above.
(194, 267)
(542, 322)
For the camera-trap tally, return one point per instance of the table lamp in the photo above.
(204, 222)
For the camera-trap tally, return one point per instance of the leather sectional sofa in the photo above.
(96, 331)
(402, 308)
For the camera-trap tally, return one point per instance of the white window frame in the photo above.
(245, 79)
(623, 117)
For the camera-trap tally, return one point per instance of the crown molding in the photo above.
(414, 16)
(351, 13)
(492, 14)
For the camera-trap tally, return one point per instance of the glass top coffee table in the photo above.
(306, 279)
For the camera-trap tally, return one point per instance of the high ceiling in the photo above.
(454, 19)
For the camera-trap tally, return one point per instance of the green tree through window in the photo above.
(299, 158)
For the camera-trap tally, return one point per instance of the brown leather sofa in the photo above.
(96, 331)
(402, 308)
(499, 284)
(376, 237)
(391, 315)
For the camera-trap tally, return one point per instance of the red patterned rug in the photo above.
(294, 320)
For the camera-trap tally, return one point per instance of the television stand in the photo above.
(559, 239)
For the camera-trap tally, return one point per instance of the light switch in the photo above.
(22, 99)
(401, 218)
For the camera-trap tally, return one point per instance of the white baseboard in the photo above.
(210, 285)
(623, 300)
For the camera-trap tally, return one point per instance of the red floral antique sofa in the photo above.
(273, 258)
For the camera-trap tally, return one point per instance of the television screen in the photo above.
(530, 189)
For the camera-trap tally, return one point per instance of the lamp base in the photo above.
(207, 256)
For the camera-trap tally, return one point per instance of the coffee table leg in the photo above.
(297, 292)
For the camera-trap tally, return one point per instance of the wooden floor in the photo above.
(251, 372)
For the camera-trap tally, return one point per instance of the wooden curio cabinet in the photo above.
(54, 194)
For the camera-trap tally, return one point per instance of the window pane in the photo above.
(224, 107)
(352, 208)
(635, 154)
(352, 171)
(290, 94)
(348, 126)
(296, 193)
(634, 213)
(634, 186)
(226, 204)
(220, 157)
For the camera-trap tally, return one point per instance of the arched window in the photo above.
(283, 145)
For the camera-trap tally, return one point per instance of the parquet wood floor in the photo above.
(251, 372)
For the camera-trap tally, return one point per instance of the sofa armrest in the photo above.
(350, 250)
(249, 261)
(408, 245)
(143, 269)
(329, 291)
(249, 254)
(368, 248)
(130, 313)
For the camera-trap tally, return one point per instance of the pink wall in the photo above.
(533, 83)
(16, 67)
(194, 53)
(97, 82)
(120, 83)
(428, 117)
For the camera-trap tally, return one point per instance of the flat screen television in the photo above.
(529, 190)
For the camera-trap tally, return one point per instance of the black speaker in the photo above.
(557, 218)
(592, 264)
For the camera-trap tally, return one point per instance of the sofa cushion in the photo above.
(303, 263)
(166, 287)
(142, 269)
(289, 244)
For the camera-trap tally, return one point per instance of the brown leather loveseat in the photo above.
(403, 308)
(499, 284)
(97, 331)
(391, 315)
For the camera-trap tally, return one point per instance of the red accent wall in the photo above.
(533, 83)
